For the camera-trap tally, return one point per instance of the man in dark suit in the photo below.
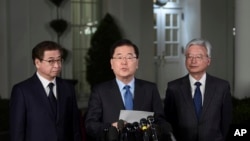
(41, 113)
(203, 112)
(107, 99)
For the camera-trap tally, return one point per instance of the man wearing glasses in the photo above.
(108, 98)
(198, 105)
(43, 107)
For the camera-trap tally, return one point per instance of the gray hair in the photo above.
(204, 43)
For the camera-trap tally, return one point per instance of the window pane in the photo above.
(175, 20)
(155, 34)
(75, 13)
(155, 23)
(167, 20)
(175, 49)
(168, 50)
(167, 35)
(85, 17)
(175, 35)
(86, 13)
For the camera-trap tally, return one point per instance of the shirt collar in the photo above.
(121, 84)
(202, 80)
(44, 81)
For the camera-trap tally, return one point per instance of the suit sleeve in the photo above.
(226, 111)
(76, 119)
(93, 120)
(17, 115)
(157, 104)
(169, 106)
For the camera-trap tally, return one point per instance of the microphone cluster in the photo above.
(145, 130)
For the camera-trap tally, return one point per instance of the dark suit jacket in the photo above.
(31, 117)
(106, 102)
(216, 112)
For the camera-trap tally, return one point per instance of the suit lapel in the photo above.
(186, 91)
(208, 94)
(138, 95)
(38, 89)
(116, 95)
(60, 98)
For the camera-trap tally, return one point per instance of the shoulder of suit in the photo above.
(108, 83)
(216, 79)
(179, 80)
(31, 80)
(64, 82)
(145, 82)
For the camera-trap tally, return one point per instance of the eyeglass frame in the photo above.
(53, 61)
(127, 58)
(198, 57)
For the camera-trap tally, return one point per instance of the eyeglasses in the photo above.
(52, 61)
(127, 58)
(198, 57)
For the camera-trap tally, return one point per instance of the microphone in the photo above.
(113, 134)
(104, 135)
(144, 124)
(129, 133)
(120, 126)
(151, 120)
(137, 131)
(153, 128)
(144, 127)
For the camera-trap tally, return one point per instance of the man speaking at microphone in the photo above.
(125, 92)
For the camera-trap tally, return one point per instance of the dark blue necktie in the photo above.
(128, 98)
(52, 98)
(197, 99)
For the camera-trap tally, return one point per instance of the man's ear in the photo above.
(111, 63)
(208, 61)
(37, 62)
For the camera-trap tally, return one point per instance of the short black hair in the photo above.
(40, 48)
(121, 43)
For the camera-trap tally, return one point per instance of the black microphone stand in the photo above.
(144, 129)
(120, 129)
(151, 121)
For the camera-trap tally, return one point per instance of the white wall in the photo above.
(242, 49)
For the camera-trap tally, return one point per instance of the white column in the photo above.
(242, 49)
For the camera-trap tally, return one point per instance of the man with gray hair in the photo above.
(198, 105)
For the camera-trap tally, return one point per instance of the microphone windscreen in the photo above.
(136, 125)
(143, 123)
(128, 127)
(150, 119)
(130, 133)
(120, 125)
(113, 134)
(137, 131)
